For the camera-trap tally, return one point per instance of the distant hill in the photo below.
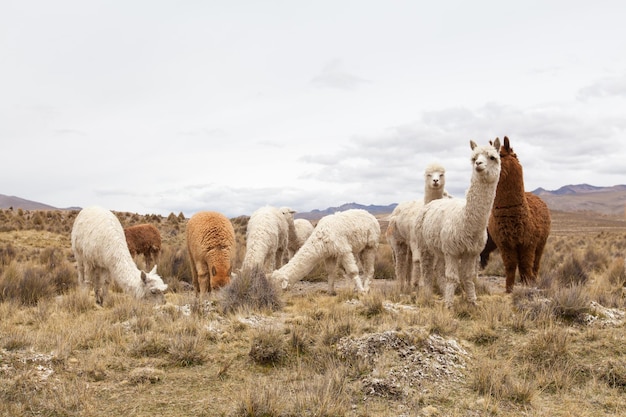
(584, 197)
(318, 214)
(7, 202)
(579, 189)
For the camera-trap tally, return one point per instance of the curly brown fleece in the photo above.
(144, 239)
(519, 222)
(211, 246)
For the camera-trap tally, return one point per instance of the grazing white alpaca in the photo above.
(341, 240)
(401, 224)
(101, 253)
(267, 238)
(301, 232)
(453, 232)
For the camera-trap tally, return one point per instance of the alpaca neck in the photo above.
(510, 191)
(431, 194)
(479, 200)
(127, 275)
(303, 262)
(293, 238)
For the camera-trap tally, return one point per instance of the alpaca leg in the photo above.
(526, 262)
(401, 266)
(332, 269)
(80, 266)
(368, 261)
(99, 284)
(538, 254)
(490, 246)
(509, 258)
(452, 279)
(439, 269)
(411, 277)
(351, 269)
(203, 280)
(426, 265)
(156, 256)
(468, 275)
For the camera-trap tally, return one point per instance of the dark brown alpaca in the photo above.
(144, 239)
(519, 223)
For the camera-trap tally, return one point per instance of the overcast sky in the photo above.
(170, 106)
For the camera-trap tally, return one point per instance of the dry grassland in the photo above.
(555, 350)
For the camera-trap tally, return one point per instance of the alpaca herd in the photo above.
(438, 241)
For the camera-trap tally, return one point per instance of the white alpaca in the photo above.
(301, 232)
(401, 224)
(102, 254)
(267, 238)
(454, 231)
(341, 240)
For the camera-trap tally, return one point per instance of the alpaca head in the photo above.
(510, 163)
(153, 286)
(434, 175)
(280, 277)
(287, 214)
(486, 161)
(220, 272)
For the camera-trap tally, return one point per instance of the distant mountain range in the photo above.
(609, 201)
(580, 189)
(318, 214)
(10, 201)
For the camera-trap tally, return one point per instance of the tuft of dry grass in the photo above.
(495, 379)
(250, 290)
(571, 302)
(268, 347)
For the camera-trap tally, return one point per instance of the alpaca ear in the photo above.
(507, 145)
(143, 277)
(496, 144)
(473, 144)
(153, 270)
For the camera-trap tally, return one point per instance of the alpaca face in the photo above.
(486, 161)
(435, 179)
(220, 275)
(154, 286)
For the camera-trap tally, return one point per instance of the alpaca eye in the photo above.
(493, 158)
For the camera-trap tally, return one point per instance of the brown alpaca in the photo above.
(519, 222)
(144, 239)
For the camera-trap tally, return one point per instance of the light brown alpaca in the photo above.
(211, 245)
(519, 223)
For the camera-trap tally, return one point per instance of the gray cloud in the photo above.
(607, 87)
(333, 76)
